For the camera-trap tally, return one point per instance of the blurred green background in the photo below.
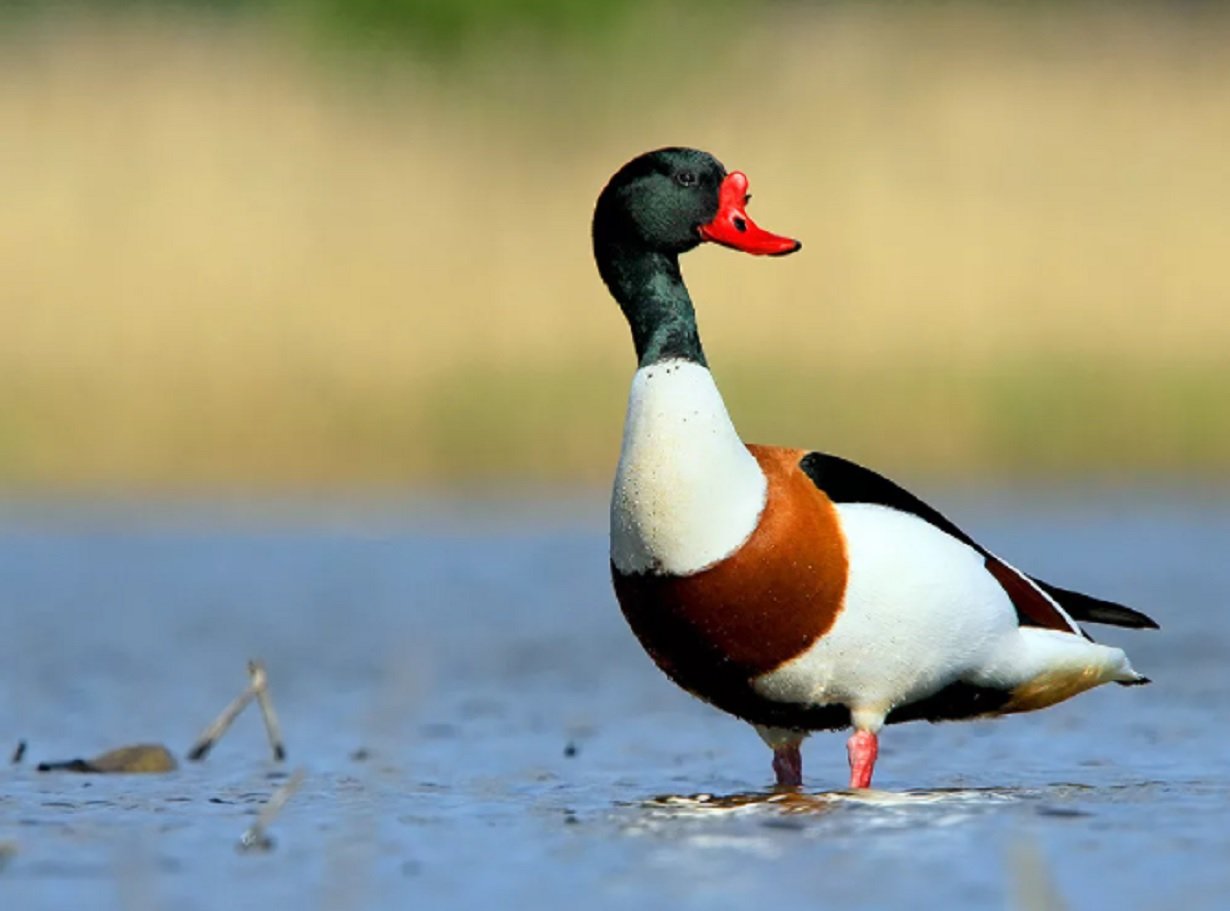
(341, 244)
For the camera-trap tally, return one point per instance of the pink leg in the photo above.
(863, 748)
(788, 765)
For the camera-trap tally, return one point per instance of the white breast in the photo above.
(687, 492)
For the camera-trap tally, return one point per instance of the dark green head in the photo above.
(654, 208)
(659, 201)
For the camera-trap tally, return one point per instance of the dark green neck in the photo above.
(651, 292)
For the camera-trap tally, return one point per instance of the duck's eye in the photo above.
(686, 179)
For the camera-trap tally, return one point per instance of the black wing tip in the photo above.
(1139, 681)
(1088, 609)
(1118, 615)
(1122, 616)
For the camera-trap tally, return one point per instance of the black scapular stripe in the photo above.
(844, 481)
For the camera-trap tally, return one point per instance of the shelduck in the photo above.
(794, 589)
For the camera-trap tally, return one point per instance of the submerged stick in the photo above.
(263, 699)
(19, 753)
(257, 688)
(7, 851)
(214, 732)
(256, 838)
(1033, 885)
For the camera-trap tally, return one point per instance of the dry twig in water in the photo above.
(258, 688)
(256, 838)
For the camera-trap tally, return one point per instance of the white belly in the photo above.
(687, 492)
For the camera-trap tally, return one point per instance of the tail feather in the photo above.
(1088, 609)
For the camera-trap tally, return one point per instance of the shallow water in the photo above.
(522, 751)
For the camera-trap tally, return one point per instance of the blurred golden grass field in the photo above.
(224, 263)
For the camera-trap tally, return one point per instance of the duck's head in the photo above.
(655, 207)
(671, 200)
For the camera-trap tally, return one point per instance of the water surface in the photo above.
(478, 728)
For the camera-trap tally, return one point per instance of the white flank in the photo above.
(687, 492)
(921, 611)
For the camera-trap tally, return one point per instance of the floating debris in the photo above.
(155, 758)
(258, 689)
(257, 838)
(141, 758)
